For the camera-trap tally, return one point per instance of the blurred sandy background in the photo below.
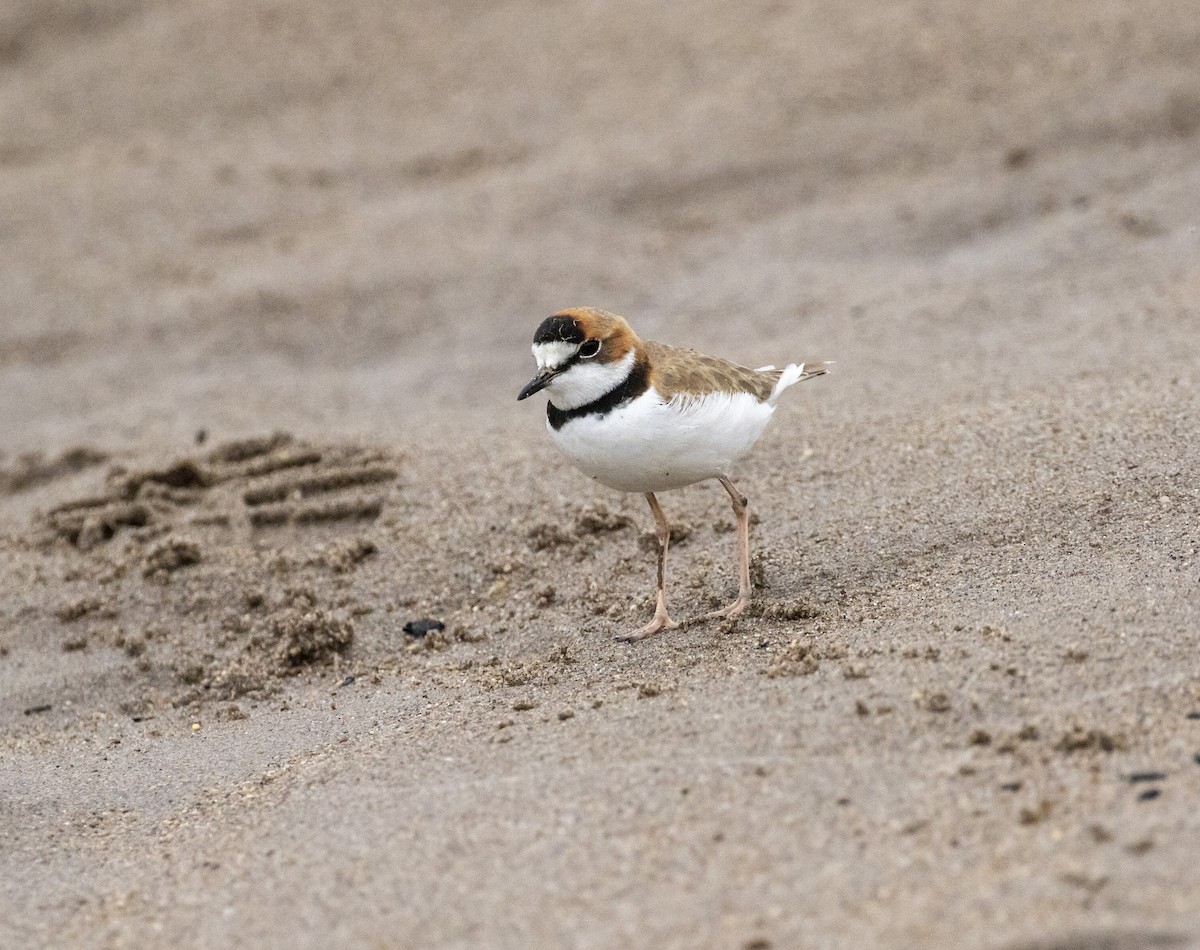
(270, 273)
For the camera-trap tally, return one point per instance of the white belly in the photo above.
(649, 445)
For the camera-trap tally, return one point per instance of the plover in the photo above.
(640, 416)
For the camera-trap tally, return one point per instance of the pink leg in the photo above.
(743, 532)
(661, 621)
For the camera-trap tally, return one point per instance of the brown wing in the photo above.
(679, 372)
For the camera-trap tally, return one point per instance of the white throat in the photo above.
(587, 381)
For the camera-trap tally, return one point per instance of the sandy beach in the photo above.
(271, 274)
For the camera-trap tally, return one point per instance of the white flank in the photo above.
(649, 445)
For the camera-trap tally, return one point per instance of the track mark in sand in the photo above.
(35, 469)
(92, 521)
(262, 482)
(220, 573)
(287, 498)
(343, 509)
(306, 484)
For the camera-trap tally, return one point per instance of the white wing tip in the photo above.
(794, 373)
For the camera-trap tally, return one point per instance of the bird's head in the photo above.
(581, 354)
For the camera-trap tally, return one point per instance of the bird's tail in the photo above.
(793, 373)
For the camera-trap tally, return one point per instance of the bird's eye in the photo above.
(589, 349)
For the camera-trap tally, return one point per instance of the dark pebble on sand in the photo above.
(1149, 794)
(346, 682)
(1136, 777)
(34, 710)
(1194, 715)
(418, 628)
(1010, 787)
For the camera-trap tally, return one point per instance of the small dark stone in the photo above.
(346, 682)
(34, 710)
(1136, 777)
(1149, 794)
(418, 628)
(201, 436)
(1010, 787)
(1194, 715)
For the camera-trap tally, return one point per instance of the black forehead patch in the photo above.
(559, 329)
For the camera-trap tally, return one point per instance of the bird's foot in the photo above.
(732, 610)
(657, 625)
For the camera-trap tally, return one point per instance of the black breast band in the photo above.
(635, 384)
